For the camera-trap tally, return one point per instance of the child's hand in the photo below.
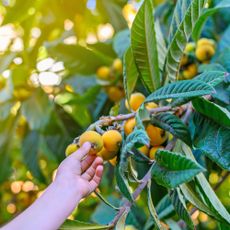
(81, 171)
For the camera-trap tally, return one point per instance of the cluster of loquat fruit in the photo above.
(111, 79)
(195, 54)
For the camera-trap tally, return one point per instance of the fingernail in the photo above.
(86, 145)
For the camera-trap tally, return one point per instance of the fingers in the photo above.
(97, 178)
(80, 153)
(90, 172)
(86, 163)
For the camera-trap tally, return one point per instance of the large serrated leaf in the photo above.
(208, 195)
(212, 139)
(213, 111)
(204, 16)
(213, 78)
(180, 207)
(172, 169)
(144, 46)
(130, 73)
(185, 16)
(172, 124)
(181, 89)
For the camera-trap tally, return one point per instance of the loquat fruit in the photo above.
(129, 126)
(113, 161)
(115, 93)
(205, 41)
(144, 149)
(184, 60)
(94, 138)
(71, 148)
(190, 72)
(135, 101)
(117, 65)
(157, 136)
(205, 52)
(112, 140)
(153, 151)
(151, 105)
(190, 47)
(106, 155)
(103, 73)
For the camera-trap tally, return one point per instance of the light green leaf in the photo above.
(213, 111)
(78, 225)
(130, 73)
(204, 16)
(172, 124)
(164, 208)
(144, 46)
(181, 89)
(121, 222)
(172, 169)
(186, 14)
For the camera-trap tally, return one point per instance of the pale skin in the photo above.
(77, 176)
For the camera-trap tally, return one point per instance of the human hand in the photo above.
(81, 171)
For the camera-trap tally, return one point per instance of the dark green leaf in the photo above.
(144, 46)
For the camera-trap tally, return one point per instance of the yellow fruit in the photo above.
(130, 227)
(151, 105)
(206, 41)
(69, 88)
(94, 138)
(184, 60)
(129, 126)
(71, 149)
(2, 82)
(205, 52)
(113, 161)
(190, 72)
(115, 93)
(106, 155)
(103, 73)
(157, 136)
(135, 101)
(117, 65)
(21, 94)
(112, 140)
(153, 151)
(190, 47)
(144, 149)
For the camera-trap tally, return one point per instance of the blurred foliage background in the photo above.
(50, 52)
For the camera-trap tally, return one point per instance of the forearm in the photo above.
(50, 210)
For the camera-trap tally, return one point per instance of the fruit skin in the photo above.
(144, 149)
(103, 73)
(112, 140)
(205, 52)
(151, 105)
(113, 161)
(153, 151)
(94, 138)
(190, 47)
(157, 136)
(184, 60)
(129, 126)
(106, 155)
(117, 65)
(2, 82)
(21, 93)
(205, 41)
(115, 93)
(190, 72)
(135, 101)
(71, 148)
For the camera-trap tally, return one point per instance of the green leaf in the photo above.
(213, 111)
(172, 124)
(30, 148)
(213, 140)
(164, 207)
(121, 222)
(185, 16)
(37, 110)
(130, 73)
(152, 209)
(144, 46)
(180, 207)
(172, 169)
(181, 89)
(204, 16)
(78, 225)
(212, 78)
(208, 195)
